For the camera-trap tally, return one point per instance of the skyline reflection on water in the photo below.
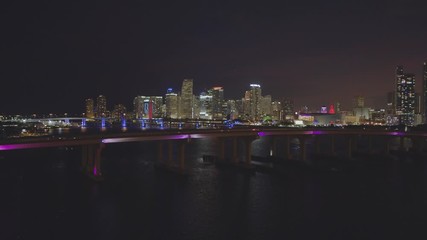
(44, 196)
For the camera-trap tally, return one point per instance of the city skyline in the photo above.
(55, 54)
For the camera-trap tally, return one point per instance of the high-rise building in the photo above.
(186, 103)
(171, 102)
(89, 113)
(205, 106)
(217, 94)
(101, 106)
(255, 102)
(425, 92)
(148, 106)
(119, 111)
(277, 111)
(359, 102)
(405, 97)
(266, 105)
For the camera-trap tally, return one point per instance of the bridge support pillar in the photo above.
(386, 145)
(160, 152)
(370, 144)
(170, 153)
(317, 144)
(332, 145)
(349, 146)
(302, 149)
(248, 149)
(221, 149)
(182, 156)
(288, 154)
(273, 148)
(402, 144)
(91, 160)
(235, 156)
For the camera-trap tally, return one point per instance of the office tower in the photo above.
(425, 92)
(119, 111)
(266, 105)
(217, 94)
(101, 106)
(255, 102)
(246, 105)
(359, 102)
(277, 110)
(232, 109)
(288, 107)
(205, 106)
(89, 113)
(337, 107)
(405, 97)
(171, 102)
(148, 107)
(186, 103)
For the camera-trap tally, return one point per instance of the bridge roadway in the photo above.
(92, 144)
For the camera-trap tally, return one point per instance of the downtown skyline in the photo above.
(54, 55)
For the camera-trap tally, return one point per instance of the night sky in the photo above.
(54, 54)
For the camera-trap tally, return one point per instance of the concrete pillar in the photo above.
(182, 156)
(221, 149)
(287, 149)
(402, 144)
(248, 152)
(91, 160)
(370, 144)
(317, 144)
(354, 142)
(350, 145)
(332, 145)
(302, 148)
(273, 148)
(160, 152)
(170, 153)
(235, 153)
(386, 145)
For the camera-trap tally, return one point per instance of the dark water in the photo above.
(44, 196)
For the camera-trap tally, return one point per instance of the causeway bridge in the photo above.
(237, 140)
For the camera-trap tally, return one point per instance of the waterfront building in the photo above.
(405, 97)
(101, 106)
(171, 105)
(255, 102)
(217, 94)
(89, 106)
(186, 99)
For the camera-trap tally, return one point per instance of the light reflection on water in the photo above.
(45, 195)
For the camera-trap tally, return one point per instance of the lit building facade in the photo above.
(171, 105)
(405, 97)
(255, 102)
(205, 106)
(217, 94)
(186, 99)
(101, 106)
(90, 107)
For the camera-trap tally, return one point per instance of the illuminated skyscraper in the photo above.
(425, 91)
(89, 108)
(171, 102)
(148, 106)
(205, 106)
(101, 106)
(255, 102)
(217, 94)
(266, 105)
(186, 99)
(119, 111)
(405, 96)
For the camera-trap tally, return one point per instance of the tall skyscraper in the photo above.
(217, 94)
(171, 102)
(89, 108)
(148, 106)
(205, 106)
(425, 92)
(255, 102)
(186, 103)
(405, 97)
(101, 106)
